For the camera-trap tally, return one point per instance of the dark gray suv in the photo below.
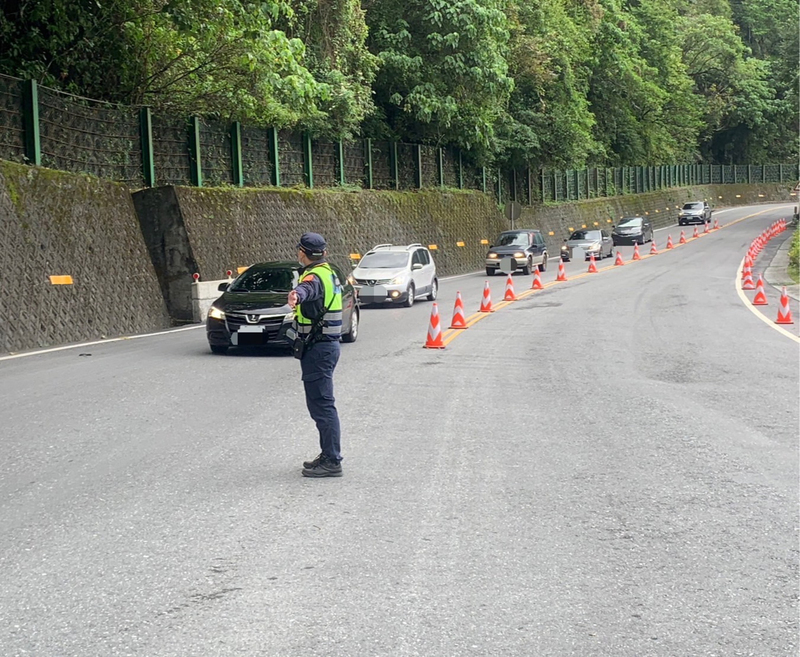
(525, 246)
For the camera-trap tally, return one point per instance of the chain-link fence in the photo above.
(129, 145)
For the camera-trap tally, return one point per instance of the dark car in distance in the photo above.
(526, 247)
(253, 308)
(632, 230)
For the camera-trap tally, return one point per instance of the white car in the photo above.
(398, 274)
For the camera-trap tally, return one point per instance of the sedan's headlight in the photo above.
(519, 254)
(595, 246)
(216, 313)
(492, 256)
(398, 280)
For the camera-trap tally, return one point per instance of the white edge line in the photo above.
(94, 342)
(752, 308)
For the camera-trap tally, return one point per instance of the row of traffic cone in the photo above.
(760, 298)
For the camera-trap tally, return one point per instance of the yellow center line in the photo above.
(749, 305)
(451, 334)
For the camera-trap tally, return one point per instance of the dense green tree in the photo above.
(443, 74)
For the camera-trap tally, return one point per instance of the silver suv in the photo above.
(399, 274)
(694, 211)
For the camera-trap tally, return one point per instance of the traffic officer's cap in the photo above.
(313, 244)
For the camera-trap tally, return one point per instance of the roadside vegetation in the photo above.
(552, 82)
(794, 257)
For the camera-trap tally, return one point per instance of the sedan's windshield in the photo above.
(630, 223)
(585, 235)
(693, 206)
(384, 260)
(265, 280)
(513, 239)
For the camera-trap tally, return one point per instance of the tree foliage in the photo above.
(548, 83)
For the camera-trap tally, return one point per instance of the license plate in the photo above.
(247, 339)
(251, 329)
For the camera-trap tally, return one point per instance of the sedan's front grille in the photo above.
(270, 321)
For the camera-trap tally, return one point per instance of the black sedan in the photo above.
(253, 309)
(632, 230)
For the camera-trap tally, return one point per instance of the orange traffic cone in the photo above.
(592, 267)
(682, 240)
(695, 234)
(784, 312)
(562, 273)
(716, 225)
(760, 299)
(537, 280)
(619, 261)
(636, 255)
(746, 270)
(706, 228)
(509, 295)
(486, 302)
(669, 242)
(459, 320)
(434, 340)
(747, 283)
(653, 248)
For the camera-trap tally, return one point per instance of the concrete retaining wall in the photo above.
(54, 223)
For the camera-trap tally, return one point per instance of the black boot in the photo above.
(308, 465)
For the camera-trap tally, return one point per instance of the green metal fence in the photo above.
(142, 148)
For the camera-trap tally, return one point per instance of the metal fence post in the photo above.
(394, 165)
(483, 173)
(763, 173)
(276, 160)
(30, 112)
(195, 163)
(236, 154)
(440, 165)
(499, 186)
(555, 185)
(308, 164)
(529, 182)
(780, 173)
(146, 139)
(460, 171)
(341, 163)
(368, 158)
(749, 174)
(419, 165)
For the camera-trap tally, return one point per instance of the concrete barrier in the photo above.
(204, 293)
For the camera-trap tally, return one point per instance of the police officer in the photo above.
(317, 304)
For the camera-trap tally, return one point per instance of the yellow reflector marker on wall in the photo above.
(738, 196)
(61, 280)
(608, 221)
(355, 256)
(583, 225)
(551, 233)
(239, 270)
(459, 243)
(433, 247)
(484, 241)
(570, 229)
(656, 210)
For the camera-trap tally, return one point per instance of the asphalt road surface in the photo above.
(608, 466)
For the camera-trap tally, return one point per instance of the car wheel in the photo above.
(409, 296)
(543, 266)
(352, 334)
(434, 290)
(489, 272)
(218, 349)
(526, 270)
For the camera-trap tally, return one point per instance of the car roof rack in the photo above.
(411, 246)
(382, 246)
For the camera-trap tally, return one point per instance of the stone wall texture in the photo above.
(54, 223)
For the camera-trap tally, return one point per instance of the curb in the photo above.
(776, 274)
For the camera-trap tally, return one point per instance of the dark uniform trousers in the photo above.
(317, 366)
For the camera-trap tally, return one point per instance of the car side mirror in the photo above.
(416, 266)
(223, 287)
(613, 226)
